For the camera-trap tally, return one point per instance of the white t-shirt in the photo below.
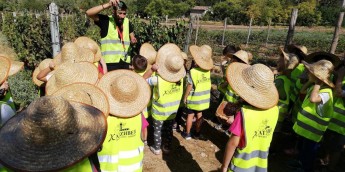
(324, 99)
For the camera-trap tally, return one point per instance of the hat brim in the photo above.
(220, 109)
(98, 98)
(149, 52)
(296, 50)
(259, 99)
(16, 66)
(326, 81)
(43, 64)
(16, 154)
(89, 74)
(206, 65)
(126, 109)
(316, 56)
(5, 69)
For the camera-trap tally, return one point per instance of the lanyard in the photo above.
(122, 41)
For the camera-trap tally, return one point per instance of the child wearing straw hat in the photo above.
(230, 96)
(167, 94)
(197, 94)
(314, 115)
(128, 95)
(253, 126)
(52, 134)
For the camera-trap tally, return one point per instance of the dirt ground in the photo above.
(196, 155)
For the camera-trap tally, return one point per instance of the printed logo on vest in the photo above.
(121, 131)
(174, 88)
(263, 131)
(203, 79)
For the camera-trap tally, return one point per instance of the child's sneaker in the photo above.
(186, 136)
(145, 142)
(154, 151)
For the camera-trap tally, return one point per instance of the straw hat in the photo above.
(170, 62)
(5, 66)
(88, 43)
(128, 93)
(254, 84)
(16, 66)
(72, 53)
(243, 56)
(202, 56)
(184, 56)
(85, 93)
(290, 59)
(68, 73)
(149, 52)
(43, 65)
(322, 69)
(300, 50)
(51, 134)
(316, 56)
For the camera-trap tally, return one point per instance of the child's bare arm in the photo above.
(43, 73)
(314, 96)
(188, 89)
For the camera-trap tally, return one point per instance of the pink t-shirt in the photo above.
(237, 129)
(143, 122)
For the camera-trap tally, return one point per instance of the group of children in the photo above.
(92, 119)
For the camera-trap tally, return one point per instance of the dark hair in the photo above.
(121, 6)
(231, 109)
(230, 49)
(139, 63)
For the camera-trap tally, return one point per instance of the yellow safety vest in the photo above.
(145, 111)
(111, 46)
(283, 105)
(199, 98)
(122, 149)
(309, 124)
(337, 122)
(84, 166)
(166, 99)
(258, 126)
(296, 82)
(230, 95)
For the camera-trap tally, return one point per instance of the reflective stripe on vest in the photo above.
(283, 105)
(199, 98)
(167, 98)
(296, 82)
(111, 46)
(309, 124)
(258, 126)
(230, 95)
(123, 149)
(337, 122)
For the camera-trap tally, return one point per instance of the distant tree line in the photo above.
(276, 12)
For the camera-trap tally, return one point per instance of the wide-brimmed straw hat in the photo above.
(72, 53)
(254, 84)
(16, 66)
(88, 43)
(85, 93)
(290, 59)
(149, 52)
(243, 56)
(321, 55)
(300, 50)
(42, 65)
(322, 69)
(170, 63)
(202, 56)
(128, 93)
(51, 134)
(68, 73)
